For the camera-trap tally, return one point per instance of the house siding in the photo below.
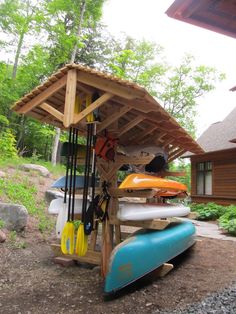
(223, 177)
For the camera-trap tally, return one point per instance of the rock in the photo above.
(2, 236)
(15, 216)
(41, 169)
(2, 174)
(52, 195)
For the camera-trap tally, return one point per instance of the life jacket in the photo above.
(105, 148)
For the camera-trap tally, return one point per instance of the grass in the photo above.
(57, 170)
(20, 190)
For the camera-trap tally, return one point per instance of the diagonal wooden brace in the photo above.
(96, 104)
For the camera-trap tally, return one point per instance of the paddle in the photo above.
(89, 214)
(82, 238)
(67, 237)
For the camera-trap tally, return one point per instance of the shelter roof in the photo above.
(125, 108)
(218, 16)
(219, 136)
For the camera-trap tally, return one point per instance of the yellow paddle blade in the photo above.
(68, 238)
(78, 104)
(90, 116)
(81, 246)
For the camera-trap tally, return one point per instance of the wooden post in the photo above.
(69, 109)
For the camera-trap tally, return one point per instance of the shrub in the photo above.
(209, 211)
(7, 145)
(228, 220)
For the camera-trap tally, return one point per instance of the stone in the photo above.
(2, 174)
(2, 236)
(52, 195)
(40, 169)
(15, 216)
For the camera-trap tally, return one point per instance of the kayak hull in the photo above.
(137, 211)
(145, 251)
(140, 181)
(79, 182)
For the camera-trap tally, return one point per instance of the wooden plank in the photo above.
(96, 104)
(54, 112)
(109, 86)
(130, 125)
(163, 270)
(43, 95)
(176, 155)
(135, 160)
(115, 116)
(92, 257)
(69, 109)
(172, 173)
(157, 224)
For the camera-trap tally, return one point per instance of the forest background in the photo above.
(41, 36)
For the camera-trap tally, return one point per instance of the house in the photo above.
(213, 174)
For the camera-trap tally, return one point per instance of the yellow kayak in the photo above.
(139, 181)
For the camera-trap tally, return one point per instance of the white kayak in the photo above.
(137, 211)
(56, 205)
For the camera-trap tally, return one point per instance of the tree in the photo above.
(181, 88)
(19, 18)
(178, 87)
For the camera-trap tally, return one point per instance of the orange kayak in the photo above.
(139, 181)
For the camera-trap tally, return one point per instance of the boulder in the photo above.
(15, 216)
(52, 195)
(2, 174)
(2, 236)
(40, 169)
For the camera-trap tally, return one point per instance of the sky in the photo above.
(146, 19)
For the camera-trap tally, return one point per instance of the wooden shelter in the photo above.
(214, 172)
(126, 111)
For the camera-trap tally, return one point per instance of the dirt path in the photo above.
(31, 283)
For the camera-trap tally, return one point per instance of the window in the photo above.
(204, 178)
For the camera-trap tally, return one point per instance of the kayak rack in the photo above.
(127, 112)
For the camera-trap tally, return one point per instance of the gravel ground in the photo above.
(221, 302)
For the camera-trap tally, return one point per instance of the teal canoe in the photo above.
(146, 250)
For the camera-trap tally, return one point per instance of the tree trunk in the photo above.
(18, 50)
(73, 54)
(55, 146)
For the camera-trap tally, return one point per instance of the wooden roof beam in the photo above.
(54, 112)
(176, 154)
(96, 104)
(42, 96)
(115, 116)
(109, 86)
(130, 125)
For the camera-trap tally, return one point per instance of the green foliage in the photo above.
(16, 189)
(185, 167)
(2, 224)
(228, 220)
(7, 145)
(209, 211)
(14, 242)
(182, 86)
(12, 190)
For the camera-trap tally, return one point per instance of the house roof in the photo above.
(218, 136)
(218, 16)
(123, 105)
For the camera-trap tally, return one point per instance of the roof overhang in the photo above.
(125, 109)
(215, 15)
